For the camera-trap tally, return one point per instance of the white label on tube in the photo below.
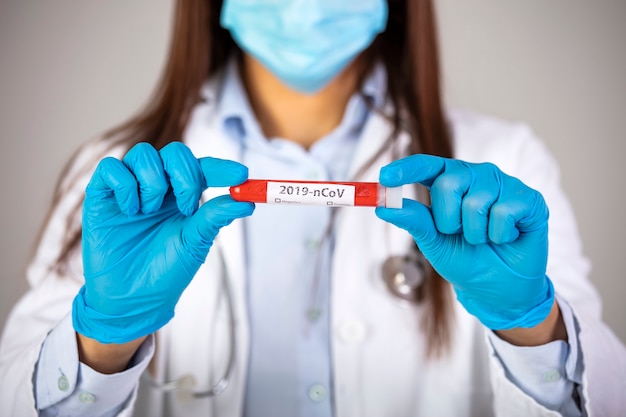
(310, 193)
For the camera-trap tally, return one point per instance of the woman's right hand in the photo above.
(144, 237)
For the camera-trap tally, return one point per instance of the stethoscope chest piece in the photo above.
(404, 275)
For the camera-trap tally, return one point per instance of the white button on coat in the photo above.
(552, 375)
(351, 331)
(86, 397)
(313, 244)
(317, 393)
(63, 383)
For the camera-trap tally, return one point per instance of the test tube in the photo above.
(318, 193)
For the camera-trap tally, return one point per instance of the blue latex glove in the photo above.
(485, 232)
(144, 237)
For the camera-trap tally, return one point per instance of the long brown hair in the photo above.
(408, 49)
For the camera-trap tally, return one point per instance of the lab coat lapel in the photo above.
(375, 134)
(205, 138)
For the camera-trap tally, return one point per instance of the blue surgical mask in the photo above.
(305, 43)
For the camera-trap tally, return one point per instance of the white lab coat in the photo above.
(377, 350)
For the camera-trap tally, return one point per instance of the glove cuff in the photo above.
(501, 318)
(114, 329)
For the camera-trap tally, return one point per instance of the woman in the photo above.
(300, 310)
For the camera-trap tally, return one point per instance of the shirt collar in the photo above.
(374, 87)
(234, 110)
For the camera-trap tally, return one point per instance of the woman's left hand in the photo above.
(485, 232)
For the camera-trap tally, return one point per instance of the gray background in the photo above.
(70, 69)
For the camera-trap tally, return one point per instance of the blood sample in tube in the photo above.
(319, 193)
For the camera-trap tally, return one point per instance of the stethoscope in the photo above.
(403, 276)
(185, 385)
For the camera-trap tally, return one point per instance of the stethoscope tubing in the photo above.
(187, 382)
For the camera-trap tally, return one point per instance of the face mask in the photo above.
(305, 43)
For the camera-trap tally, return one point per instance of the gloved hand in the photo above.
(144, 237)
(485, 232)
